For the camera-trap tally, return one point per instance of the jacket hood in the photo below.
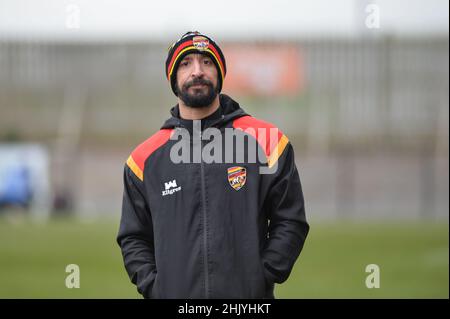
(230, 111)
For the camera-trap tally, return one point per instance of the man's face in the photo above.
(196, 81)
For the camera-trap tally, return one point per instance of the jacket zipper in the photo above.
(205, 223)
(205, 235)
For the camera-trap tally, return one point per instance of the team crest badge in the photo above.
(237, 177)
(200, 43)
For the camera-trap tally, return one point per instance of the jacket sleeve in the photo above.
(135, 236)
(288, 227)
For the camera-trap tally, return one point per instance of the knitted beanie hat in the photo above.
(194, 42)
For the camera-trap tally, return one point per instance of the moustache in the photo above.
(197, 81)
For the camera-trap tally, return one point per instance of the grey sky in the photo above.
(233, 18)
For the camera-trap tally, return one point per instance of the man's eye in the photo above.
(207, 61)
(184, 63)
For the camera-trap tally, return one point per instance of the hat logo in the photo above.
(200, 43)
(237, 176)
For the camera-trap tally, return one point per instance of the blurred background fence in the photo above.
(368, 119)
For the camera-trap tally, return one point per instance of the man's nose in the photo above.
(197, 70)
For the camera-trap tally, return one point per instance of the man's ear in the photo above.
(175, 85)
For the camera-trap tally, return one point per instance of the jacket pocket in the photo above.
(264, 279)
(154, 292)
(269, 285)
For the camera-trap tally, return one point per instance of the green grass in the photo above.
(413, 260)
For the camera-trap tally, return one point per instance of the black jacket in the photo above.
(211, 230)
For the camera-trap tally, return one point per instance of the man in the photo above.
(196, 228)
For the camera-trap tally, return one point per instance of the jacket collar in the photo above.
(230, 111)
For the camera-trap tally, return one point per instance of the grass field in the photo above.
(413, 260)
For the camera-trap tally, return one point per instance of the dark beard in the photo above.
(198, 99)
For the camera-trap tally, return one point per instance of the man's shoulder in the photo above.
(142, 152)
(268, 135)
(248, 121)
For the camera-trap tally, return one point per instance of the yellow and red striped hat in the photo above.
(194, 42)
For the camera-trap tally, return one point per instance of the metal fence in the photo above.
(370, 126)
